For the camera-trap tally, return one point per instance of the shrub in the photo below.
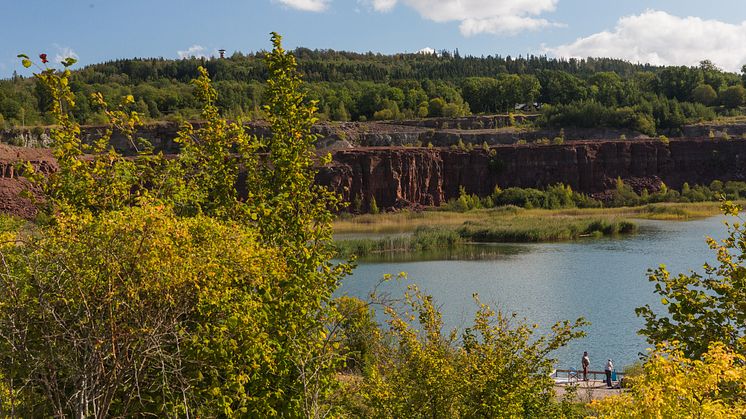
(373, 206)
(171, 295)
(359, 330)
(357, 204)
(499, 369)
(674, 385)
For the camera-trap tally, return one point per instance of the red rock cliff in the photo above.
(401, 176)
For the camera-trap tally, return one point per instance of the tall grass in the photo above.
(423, 239)
(530, 230)
(498, 229)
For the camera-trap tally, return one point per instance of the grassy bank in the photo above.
(531, 230)
(423, 239)
(406, 221)
(438, 229)
(446, 230)
(517, 230)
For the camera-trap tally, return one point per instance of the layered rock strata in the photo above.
(398, 177)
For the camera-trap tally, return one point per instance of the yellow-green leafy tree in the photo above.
(498, 368)
(673, 386)
(704, 309)
(160, 287)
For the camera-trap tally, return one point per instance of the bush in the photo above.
(360, 331)
(674, 385)
(464, 202)
(170, 295)
(499, 369)
(373, 206)
(182, 273)
(733, 96)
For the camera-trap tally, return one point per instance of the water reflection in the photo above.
(603, 280)
(471, 252)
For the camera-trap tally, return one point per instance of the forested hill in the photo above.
(340, 66)
(353, 86)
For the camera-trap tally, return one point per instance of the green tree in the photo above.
(733, 96)
(480, 93)
(373, 206)
(703, 309)
(435, 107)
(712, 75)
(704, 94)
(559, 87)
(679, 82)
(607, 88)
(243, 333)
(499, 368)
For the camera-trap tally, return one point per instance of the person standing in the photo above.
(609, 368)
(586, 362)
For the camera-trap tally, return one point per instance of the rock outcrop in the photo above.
(400, 177)
(12, 184)
(440, 132)
(396, 177)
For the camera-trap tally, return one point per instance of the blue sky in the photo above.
(661, 32)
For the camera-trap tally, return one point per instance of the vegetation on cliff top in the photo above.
(360, 87)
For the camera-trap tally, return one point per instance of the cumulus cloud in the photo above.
(426, 51)
(499, 17)
(306, 5)
(194, 51)
(63, 53)
(657, 37)
(383, 5)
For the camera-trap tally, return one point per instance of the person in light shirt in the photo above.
(586, 362)
(609, 368)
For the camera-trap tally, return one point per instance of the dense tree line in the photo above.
(359, 87)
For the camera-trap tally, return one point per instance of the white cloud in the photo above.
(383, 5)
(63, 53)
(499, 17)
(194, 51)
(503, 25)
(306, 5)
(426, 51)
(659, 38)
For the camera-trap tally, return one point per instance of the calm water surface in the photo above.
(602, 280)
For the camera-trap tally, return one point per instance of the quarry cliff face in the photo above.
(398, 177)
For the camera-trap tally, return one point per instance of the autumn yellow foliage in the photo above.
(673, 386)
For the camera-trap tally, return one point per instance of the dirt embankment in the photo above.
(440, 132)
(13, 184)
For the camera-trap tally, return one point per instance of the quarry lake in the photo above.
(603, 280)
